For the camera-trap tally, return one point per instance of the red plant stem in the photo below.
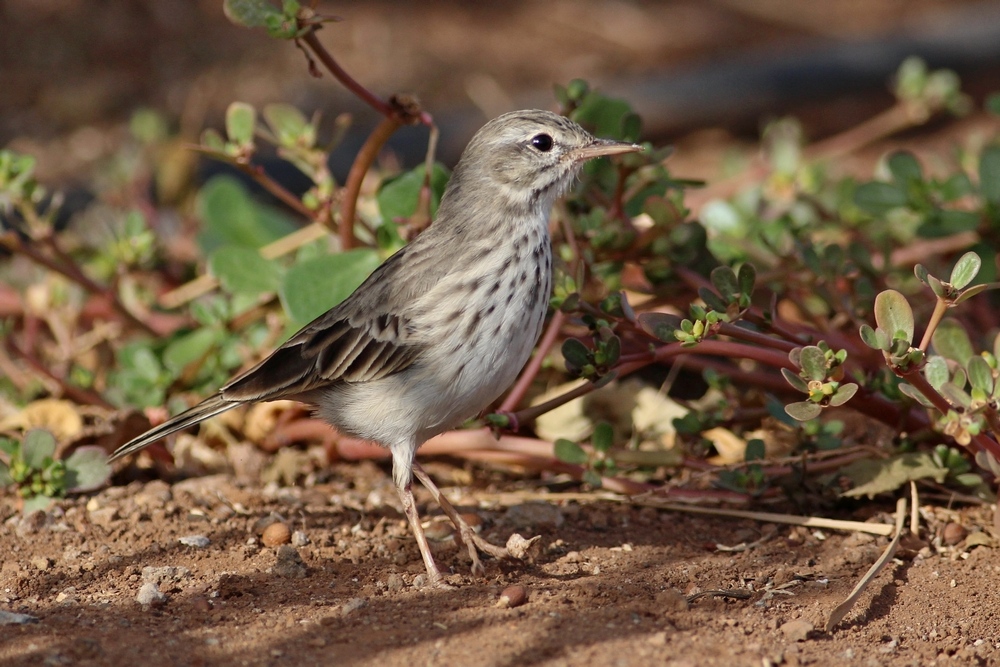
(362, 163)
(74, 393)
(278, 191)
(920, 383)
(535, 364)
(750, 336)
(74, 274)
(373, 100)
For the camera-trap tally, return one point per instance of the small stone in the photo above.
(419, 581)
(797, 630)
(41, 563)
(164, 575)
(299, 539)
(32, 523)
(12, 618)
(439, 531)
(196, 541)
(104, 516)
(352, 606)
(520, 548)
(953, 533)
(657, 639)
(289, 564)
(150, 595)
(513, 596)
(154, 494)
(276, 534)
(394, 583)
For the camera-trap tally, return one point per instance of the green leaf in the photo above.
(288, 124)
(874, 476)
(989, 174)
(904, 167)
(955, 395)
(966, 268)
(893, 314)
(312, 287)
(936, 371)
(232, 217)
(87, 469)
(803, 410)
(912, 392)
(945, 222)
(980, 374)
(951, 342)
(577, 354)
(5, 477)
(795, 380)
(869, 337)
(813, 362)
(189, 348)
(241, 123)
(242, 270)
(746, 277)
(661, 326)
(878, 198)
(398, 197)
(38, 445)
(592, 478)
(249, 13)
(36, 503)
(993, 104)
(606, 117)
(755, 450)
(724, 280)
(844, 393)
(568, 451)
(603, 437)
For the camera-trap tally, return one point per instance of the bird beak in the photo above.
(605, 147)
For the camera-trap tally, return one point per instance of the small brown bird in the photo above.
(443, 327)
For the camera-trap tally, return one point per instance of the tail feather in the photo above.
(207, 408)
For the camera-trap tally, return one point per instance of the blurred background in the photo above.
(702, 73)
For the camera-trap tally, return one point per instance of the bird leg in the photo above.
(410, 510)
(466, 533)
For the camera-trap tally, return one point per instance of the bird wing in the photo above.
(359, 340)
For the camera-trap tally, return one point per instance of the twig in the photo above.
(362, 163)
(768, 517)
(838, 614)
(77, 394)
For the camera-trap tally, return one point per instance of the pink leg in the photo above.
(467, 535)
(410, 510)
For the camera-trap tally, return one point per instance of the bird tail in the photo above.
(207, 408)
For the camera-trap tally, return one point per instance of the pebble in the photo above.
(299, 539)
(797, 630)
(289, 564)
(12, 618)
(104, 516)
(353, 605)
(150, 595)
(196, 541)
(276, 534)
(394, 583)
(953, 533)
(513, 596)
(166, 574)
(41, 563)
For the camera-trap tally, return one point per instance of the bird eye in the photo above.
(542, 142)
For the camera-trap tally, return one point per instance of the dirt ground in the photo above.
(611, 584)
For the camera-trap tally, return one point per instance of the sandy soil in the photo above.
(612, 584)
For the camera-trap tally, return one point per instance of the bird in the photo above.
(441, 328)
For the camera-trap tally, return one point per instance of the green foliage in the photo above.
(398, 197)
(312, 287)
(31, 466)
(597, 461)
